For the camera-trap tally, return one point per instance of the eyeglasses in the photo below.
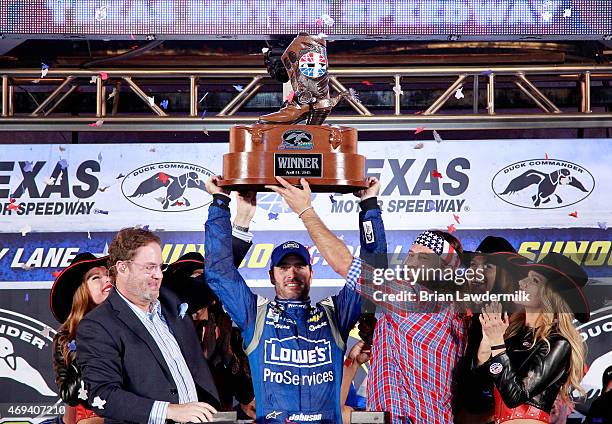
(150, 268)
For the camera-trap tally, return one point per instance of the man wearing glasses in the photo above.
(138, 351)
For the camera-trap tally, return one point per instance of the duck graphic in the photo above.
(547, 184)
(18, 369)
(175, 187)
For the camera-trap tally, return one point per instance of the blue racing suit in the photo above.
(295, 349)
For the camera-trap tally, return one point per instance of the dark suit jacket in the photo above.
(123, 366)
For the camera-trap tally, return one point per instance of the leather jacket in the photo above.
(67, 377)
(532, 375)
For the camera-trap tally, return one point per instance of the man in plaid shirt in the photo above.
(416, 345)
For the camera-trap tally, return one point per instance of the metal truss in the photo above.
(490, 80)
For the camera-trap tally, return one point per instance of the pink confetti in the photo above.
(573, 214)
(290, 96)
(451, 229)
(103, 76)
(436, 174)
(456, 218)
(96, 124)
(419, 130)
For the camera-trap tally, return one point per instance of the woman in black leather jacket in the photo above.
(536, 354)
(76, 291)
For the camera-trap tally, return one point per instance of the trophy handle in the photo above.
(335, 137)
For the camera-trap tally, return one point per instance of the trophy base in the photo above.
(324, 155)
(320, 185)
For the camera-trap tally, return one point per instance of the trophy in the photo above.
(278, 145)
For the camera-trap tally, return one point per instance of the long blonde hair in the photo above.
(82, 303)
(556, 316)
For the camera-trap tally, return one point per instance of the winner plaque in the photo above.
(278, 145)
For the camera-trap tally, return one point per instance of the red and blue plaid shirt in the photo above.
(414, 355)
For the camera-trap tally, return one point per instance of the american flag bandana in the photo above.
(440, 247)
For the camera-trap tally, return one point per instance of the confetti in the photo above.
(437, 136)
(152, 150)
(183, 309)
(93, 79)
(72, 346)
(28, 166)
(120, 176)
(573, 214)
(151, 100)
(177, 203)
(100, 13)
(160, 199)
(319, 21)
(451, 229)
(59, 178)
(547, 16)
(366, 82)
(164, 103)
(418, 146)
(334, 201)
(436, 174)
(290, 96)
(56, 274)
(567, 13)
(103, 76)
(602, 225)
(205, 131)
(459, 93)
(265, 50)
(132, 37)
(61, 148)
(50, 181)
(100, 211)
(63, 163)
(12, 206)
(112, 94)
(456, 218)
(26, 267)
(103, 189)
(98, 402)
(82, 391)
(44, 70)
(238, 88)
(46, 332)
(88, 236)
(96, 124)
(100, 157)
(272, 216)
(25, 230)
(546, 156)
(203, 97)
(27, 297)
(397, 89)
(327, 20)
(163, 177)
(419, 130)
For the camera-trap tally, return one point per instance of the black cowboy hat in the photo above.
(498, 250)
(565, 276)
(192, 290)
(69, 280)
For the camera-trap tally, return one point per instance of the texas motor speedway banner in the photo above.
(58, 200)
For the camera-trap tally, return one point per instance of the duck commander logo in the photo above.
(167, 187)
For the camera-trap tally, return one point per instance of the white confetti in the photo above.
(327, 20)
(100, 13)
(112, 94)
(437, 136)
(459, 93)
(93, 79)
(265, 50)
(50, 181)
(419, 146)
(98, 402)
(88, 235)
(59, 178)
(43, 72)
(547, 16)
(567, 13)
(82, 391)
(25, 230)
(398, 90)
(151, 100)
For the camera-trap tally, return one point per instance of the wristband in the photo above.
(348, 362)
(369, 203)
(221, 200)
(497, 347)
(302, 213)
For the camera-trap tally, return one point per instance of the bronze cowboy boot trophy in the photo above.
(278, 146)
(305, 61)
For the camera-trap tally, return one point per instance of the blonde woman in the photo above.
(537, 353)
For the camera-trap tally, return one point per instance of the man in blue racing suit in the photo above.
(295, 349)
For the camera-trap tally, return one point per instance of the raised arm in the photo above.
(333, 250)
